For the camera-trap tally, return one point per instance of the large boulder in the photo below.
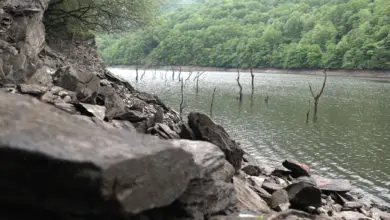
(42, 76)
(211, 191)
(302, 195)
(85, 84)
(205, 129)
(49, 161)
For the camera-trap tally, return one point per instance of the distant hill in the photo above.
(342, 34)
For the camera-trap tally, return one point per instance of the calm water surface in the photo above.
(351, 138)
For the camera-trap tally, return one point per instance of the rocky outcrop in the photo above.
(73, 168)
(205, 129)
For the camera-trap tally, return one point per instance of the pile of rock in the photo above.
(294, 188)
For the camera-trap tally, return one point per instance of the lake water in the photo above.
(351, 138)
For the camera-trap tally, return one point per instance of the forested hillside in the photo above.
(347, 34)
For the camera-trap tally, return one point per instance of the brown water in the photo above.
(351, 138)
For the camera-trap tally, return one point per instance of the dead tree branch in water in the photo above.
(308, 114)
(182, 97)
(143, 74)
(173, 73)
(253, 81)
(136, 71)
(198, 75)
(179, 78)
(239, 84)
(317, 96)
(212, 103)
(189, 77)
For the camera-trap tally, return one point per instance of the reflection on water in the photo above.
(350, 140)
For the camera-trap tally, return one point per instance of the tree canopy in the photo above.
(83, 17)
(346, 34)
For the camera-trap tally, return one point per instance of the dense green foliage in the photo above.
(80, 18)
(348, 34)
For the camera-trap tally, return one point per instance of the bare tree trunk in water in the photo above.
(182, 98)
(317, 97)
(253, 81)
(189, 76)
(143, 74)
(136, 71)
(197, 81)
(212, 103)
(179, 73)
(308, 114)
(239, 85)
(173, 73)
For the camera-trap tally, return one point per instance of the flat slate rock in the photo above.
(271, 187)
(50, 161)
(249, 199)
(298, 169)
(333, 185)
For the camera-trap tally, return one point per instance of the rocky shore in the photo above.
(79, 143)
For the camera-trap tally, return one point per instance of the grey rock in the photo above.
(337, 207)
(209, 192)
(42, 76)
(125, 125)
(32, 89)
(350, 206)
(378, 214)
(67, 107)
(186, 132)
(85, 84)
(113, 103)
(131, 115)
(225, 173)
(332, 185)
(96, 110)
(72, 167)
(249, 199)
(349, 215)
(306, 179)
(283, 207)
(271, 187)
(256, 181)
(163, 131)
(303, 195)
(295, 215)
(205, 129)
(279, 197)
(252, 170)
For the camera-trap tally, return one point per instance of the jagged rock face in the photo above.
(22, 38)
(53, 163)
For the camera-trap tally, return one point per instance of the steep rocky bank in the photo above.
(77, 142)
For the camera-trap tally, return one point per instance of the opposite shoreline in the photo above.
(349, 73)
